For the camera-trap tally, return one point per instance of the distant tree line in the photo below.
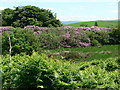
(29, 15)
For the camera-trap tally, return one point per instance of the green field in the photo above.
(109, 24)
(85, 54)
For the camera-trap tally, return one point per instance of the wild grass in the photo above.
(109, 24)
(84, 54)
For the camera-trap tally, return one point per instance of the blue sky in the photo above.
(72, 10)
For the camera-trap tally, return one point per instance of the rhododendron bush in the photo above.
(68, 36)
(58, 37)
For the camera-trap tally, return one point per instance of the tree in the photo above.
(22, 41)
(96, 24)
(7, 17)
(30, 15)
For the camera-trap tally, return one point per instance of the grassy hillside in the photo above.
(92, 23)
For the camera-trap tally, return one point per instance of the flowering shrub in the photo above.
(85, 44)
(93, 28)
(68, 36)
(6, 28)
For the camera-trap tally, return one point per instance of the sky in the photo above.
(72, 10)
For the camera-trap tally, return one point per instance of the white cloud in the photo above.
(84, 18)
(2, 8)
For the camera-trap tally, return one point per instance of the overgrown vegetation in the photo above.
(22, 41)
(38, 56)
(39, 71)
(27, 41)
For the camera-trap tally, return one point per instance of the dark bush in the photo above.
(96, 24)
(111, 66)
(115, 36)
(29, 15)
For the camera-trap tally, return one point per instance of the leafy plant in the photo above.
(38, 71)
(29, 15)
(21, 41)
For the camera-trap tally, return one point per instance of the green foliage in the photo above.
(115, 36)
(96, 24)
(7, 17)
(51, 38)
(95, 43)
(29, 15)
(22, 40)
(99, 38)
(111, 66)
(57, 38)
(39, 71)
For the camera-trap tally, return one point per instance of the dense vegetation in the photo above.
(71, 68)
(39, 71)
(26, 40)
(29, 15)
(42, 54)
(21, 40)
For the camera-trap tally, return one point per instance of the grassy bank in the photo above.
(88, 53)
(109, 24)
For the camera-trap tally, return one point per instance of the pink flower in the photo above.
(67, 46)
(84, 44)
(67, 35)
(77, 32)
(5, 28)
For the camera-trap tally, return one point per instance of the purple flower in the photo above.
(67, 46)
(77, 32)
(5, 28)
(66, 35)
(84, 44)
(36, 28)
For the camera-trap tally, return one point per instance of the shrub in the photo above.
(96, 24)
(95, 43)
(115, 36)
(51, 38)
(22, 40)
(56, 38)
(39, 71)
(111, 66)
(36, 71)
(29, 15)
